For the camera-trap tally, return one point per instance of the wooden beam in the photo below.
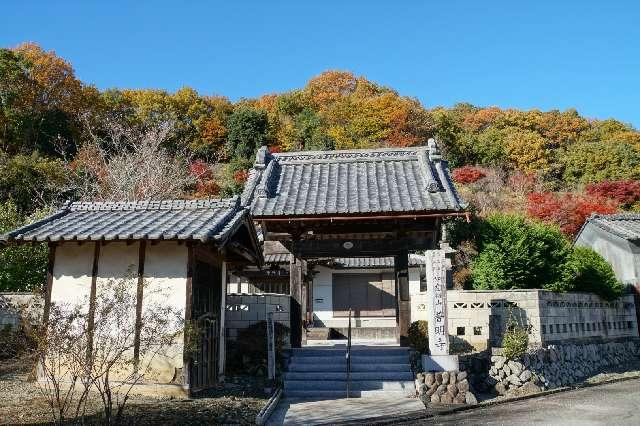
(139, 297)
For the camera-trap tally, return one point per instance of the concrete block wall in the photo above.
(480, 317)
(244, 310)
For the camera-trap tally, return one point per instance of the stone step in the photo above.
(355, 375)
(315, 394)
(355, 359)
(318, 333)
(340, 367)
(356, 385)
(355, 351)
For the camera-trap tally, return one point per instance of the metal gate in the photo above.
(207, 289)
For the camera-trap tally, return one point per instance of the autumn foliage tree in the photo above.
(468, 174)
(625, 192)
(567, 210)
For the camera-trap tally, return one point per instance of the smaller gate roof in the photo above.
(196, 220)
(623, 225)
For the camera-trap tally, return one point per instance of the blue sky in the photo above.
(542, 54)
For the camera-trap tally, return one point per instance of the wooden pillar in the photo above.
(403, 304)
(186, 358)
(139, 297)
(49, 286)
(92, 299)
(296, 308)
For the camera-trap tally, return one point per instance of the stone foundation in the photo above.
(449, 387)
(558, 365)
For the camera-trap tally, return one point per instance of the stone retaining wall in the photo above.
(451, 387)
(558, 365)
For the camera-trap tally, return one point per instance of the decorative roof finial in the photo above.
(262, 157)
(434, 152)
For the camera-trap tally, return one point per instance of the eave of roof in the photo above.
(173, 220)
(621, 225)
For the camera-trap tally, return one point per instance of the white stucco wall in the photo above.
(623, 256)
(323, 297)
(165, 274)
(72, 274)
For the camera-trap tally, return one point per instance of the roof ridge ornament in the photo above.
(434, 151)
(262, 157)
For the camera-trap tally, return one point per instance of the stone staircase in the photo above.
(321, 373)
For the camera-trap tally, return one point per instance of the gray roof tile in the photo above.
(350, 182)
(202, 220)
(623, 225)
(351, 262)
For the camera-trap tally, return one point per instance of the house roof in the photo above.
(368, 181)
(201, 220)
(351, 262)
(623, 225)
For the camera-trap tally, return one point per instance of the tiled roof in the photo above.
(351, 262)
(202, 220)
(402, 180)
(623, 225)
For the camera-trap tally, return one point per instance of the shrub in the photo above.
(587, 271)
(567, 210)
(514, 252)
(468, 174)
(515, 341)
(625, 192)
(419, 336)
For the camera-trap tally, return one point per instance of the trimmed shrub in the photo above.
(514, 252)
(587, 271)
(419, 336)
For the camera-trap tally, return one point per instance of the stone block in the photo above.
(445, 378)
(525, 376)
(429, 378)
(463, 386)
(446, 399)
(452, 389)
(435, 398)
(461, 376)
(470, 398)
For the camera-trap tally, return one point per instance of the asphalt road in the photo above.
(612, 404)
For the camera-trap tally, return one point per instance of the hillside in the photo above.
(63, 139)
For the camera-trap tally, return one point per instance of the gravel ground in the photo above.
(21, 402)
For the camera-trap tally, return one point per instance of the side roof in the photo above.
(353, 182)
(195, 220)
(622, 225)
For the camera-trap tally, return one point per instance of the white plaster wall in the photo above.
(72, 274)
(323, 296)
(623, 256)
(165, 272)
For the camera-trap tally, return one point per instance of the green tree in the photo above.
(595, 161)
(247, 131)
(24, 267)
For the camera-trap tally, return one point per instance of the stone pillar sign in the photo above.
(437, 303)
(438, 358)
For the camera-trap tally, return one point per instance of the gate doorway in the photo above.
(206, 299)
